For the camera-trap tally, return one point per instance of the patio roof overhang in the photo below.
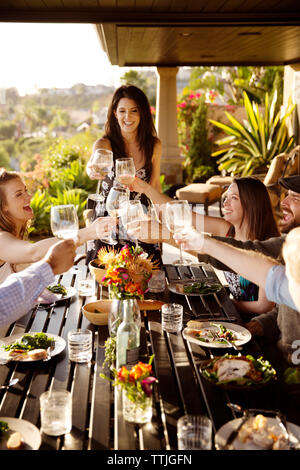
(178, 33)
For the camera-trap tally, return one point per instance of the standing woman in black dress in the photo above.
(130, 132)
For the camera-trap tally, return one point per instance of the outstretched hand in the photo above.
(138, 185)
(61, 256)
(103, 226)
(190, 240)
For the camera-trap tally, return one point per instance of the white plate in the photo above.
(48, 297)
(186, 282)
(30, 433)
(224, 432)
(59, 346)
(242, 334)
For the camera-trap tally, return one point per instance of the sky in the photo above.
(53, 56)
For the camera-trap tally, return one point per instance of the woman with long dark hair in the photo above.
(130, 133)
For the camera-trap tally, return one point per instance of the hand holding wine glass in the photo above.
(132, 214)
(125, 171)
(64, 224)
(116, 197)
(178, 217)
(99, 166)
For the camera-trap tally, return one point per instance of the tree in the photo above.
(231, 82)
(133, 77)
(7, 129)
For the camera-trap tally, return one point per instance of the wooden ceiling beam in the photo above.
(134, 17)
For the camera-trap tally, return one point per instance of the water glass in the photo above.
(56, 412)
(171, 317)
(86, 287)
(157, 282)
(194, 432)
(80, 345)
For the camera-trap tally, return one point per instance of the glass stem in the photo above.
(180, 256)
(98, 187)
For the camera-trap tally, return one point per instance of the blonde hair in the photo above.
(7, 223)
(291, 253)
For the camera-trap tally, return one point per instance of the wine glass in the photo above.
(64, 224)
(132, 213)
(116, 197)
(178, 217)
(125, 171)
(101, 163)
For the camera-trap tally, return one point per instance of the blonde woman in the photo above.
(15, 215)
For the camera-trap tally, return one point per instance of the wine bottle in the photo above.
(128, 338)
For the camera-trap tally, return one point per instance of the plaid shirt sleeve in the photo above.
(20, 290)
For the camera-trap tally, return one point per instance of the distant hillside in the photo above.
(79, 96)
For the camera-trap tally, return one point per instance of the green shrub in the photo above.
(199, 153)
(256, 142)
(78, 197)
(40, 204)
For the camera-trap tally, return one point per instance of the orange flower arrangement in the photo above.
(127, 271)
(137, 381)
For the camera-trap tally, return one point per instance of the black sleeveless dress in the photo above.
(99, 210)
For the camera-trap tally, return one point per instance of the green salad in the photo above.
(58, 289)
(31, 341)
(201, 288)
(4, 428)
(243, 371)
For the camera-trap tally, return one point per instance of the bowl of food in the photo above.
(95, 313)
(97, 269)
(237, 372)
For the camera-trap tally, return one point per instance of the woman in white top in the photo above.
(15, 215)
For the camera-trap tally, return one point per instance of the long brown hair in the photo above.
(7, 223)
(146, 135)
(257, 208)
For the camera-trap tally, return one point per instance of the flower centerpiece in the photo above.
(127, 271)
(127, 274)
(137, 388)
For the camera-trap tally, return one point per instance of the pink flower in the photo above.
(147, 385)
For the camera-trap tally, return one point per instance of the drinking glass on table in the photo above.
(56, 412)
(64, 224)
(132, 213)
(116, 197)
(194, 432)
(178, 217)
(125, 171)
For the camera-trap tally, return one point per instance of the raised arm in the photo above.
(14, 250)
(249, 264)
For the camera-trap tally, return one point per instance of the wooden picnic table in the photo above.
(97, 422)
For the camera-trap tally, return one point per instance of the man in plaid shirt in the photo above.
(19, 291)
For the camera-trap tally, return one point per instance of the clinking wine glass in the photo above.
(101, 163)
(125, 171)
(64, 224)
(178, 217)
(132, 213)
(116, 197)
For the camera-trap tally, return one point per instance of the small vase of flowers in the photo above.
(136, 385)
